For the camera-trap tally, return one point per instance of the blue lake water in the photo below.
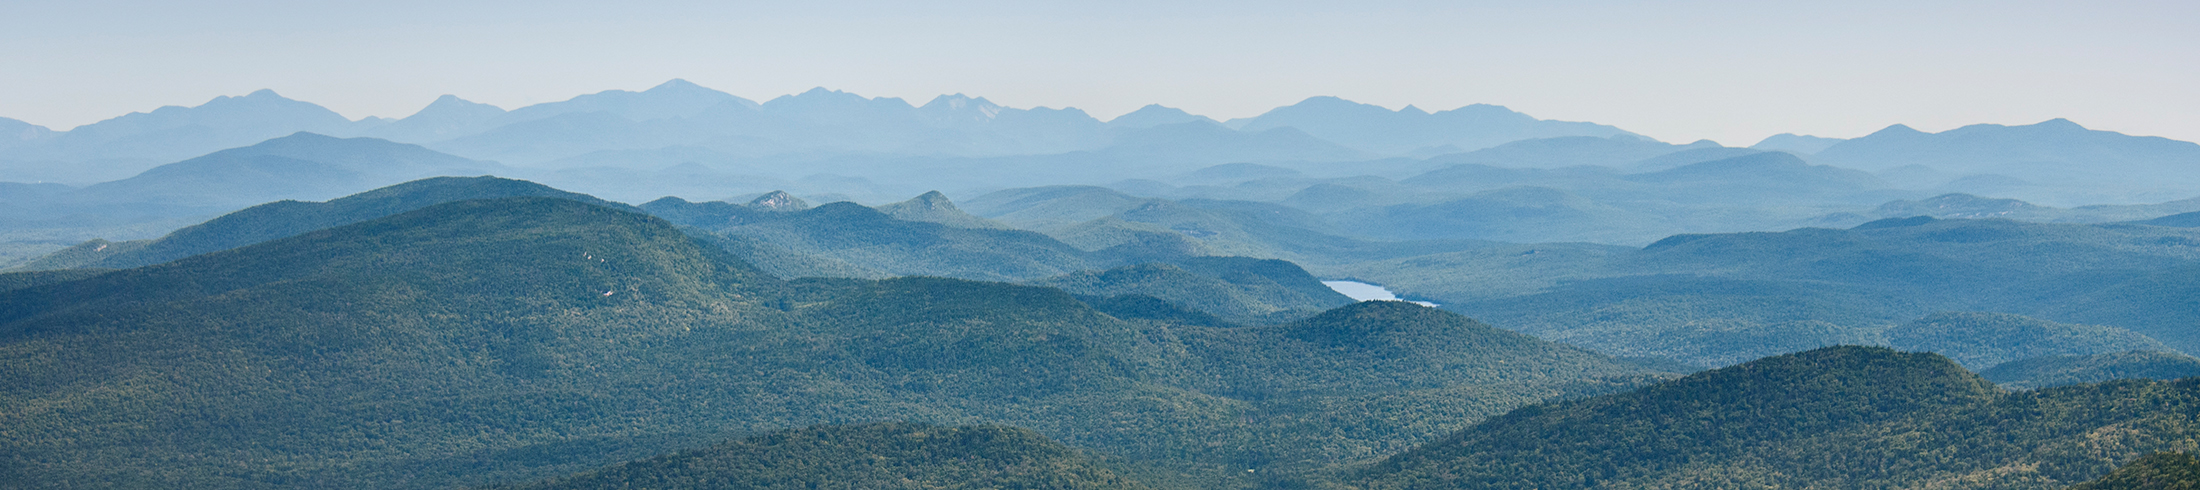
(1366, 292)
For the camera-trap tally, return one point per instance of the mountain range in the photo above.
(682, 114)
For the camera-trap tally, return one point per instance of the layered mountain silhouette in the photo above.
(446, 118)
(1381, 130)
(2073, 163)
(303, 166)
(680, 114)
(126, 145)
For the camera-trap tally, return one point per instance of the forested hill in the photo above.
(1840, 417)
(289, 218)
(514, 339)
(2158, 471)
(844, 239)
(880, 456)
(1722, 299)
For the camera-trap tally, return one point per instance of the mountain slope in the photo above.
(1633, 438)
(405, 328)
(502, 340)
(1844, 417)
(869, 239)
(2158, 471)
(880, 456)
(2052, 371)
(300, 166)
(448, 117)
(1983, 340)
(674, 98)
(1718, 299)
(289, 218)
(1796, 143)
(934, 207)
(1239, 289)
(1155, 115)
(173, 133)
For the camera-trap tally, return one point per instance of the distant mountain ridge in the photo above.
(679, 112)
(299, 166)
(1380, 130)
(2055, 159)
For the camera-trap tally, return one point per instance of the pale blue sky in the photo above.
(1679, 71)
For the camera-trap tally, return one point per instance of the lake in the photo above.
(1361, 291)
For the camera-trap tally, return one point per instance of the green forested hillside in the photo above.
(488, 341)
(1725, 298)
(868, 239)
(934, 207)
(849, 240)
(2163, 303)
(2158, 471)
(1842, 417)
(1980, 340)
(86, 254)
(885, 456)
(1240, 289)
(288, 218)
(10, 281)
(2052, 371)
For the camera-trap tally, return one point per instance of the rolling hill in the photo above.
(290, 218)
(1983, 340)
(1843, 417)
(507, 340)
(1717, 299)
(2052, 371)
(887, 456)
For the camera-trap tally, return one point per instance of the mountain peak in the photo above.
(1328, 101)
(263, 94)
(677, 84)
(1801, 144)
(934, 207)
(959, 101)
(450, 102)
(1897, 129)
(2059, 123)
(779, 201)
(1156, 115)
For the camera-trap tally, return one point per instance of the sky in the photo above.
(1679, 71)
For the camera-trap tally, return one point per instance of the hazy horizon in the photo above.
(1726, 71)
